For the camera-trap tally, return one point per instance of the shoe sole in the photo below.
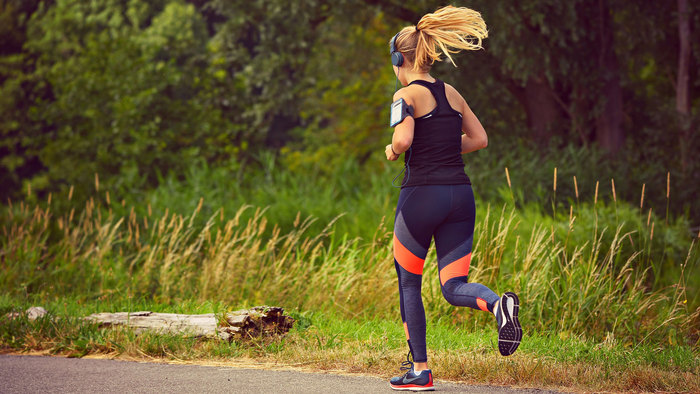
(412, 388)
(511, 333)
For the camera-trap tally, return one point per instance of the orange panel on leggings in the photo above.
(409, 261)
(459, 267)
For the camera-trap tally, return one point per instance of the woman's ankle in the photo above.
(417, 367)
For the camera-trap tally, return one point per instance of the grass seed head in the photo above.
(612, 182)
(595, 198)
(571, 212)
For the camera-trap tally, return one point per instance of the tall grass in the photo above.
(589, 272)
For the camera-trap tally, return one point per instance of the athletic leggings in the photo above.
(446, 212)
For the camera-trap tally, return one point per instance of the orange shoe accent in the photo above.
(459, 267)
(405, 328)
(409, 261)
(482, 304)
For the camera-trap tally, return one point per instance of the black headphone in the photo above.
(396, 56)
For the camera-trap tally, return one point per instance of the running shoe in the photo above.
(509, 331)
(412, 381)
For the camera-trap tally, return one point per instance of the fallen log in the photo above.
(255, 322)
(246, 323)
(195, 325)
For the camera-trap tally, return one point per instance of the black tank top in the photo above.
(435, 157)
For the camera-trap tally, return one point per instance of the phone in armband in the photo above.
(399, 111)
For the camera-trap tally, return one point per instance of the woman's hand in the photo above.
(390, 155)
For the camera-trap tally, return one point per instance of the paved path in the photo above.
(37, 374)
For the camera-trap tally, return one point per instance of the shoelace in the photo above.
(408, 364)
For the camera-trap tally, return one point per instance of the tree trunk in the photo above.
(683, 82)
(540, 105)
(542, 109)
(609, 132)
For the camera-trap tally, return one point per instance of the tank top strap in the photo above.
(437, 88)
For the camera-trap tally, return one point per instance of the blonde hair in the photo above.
(446, 31)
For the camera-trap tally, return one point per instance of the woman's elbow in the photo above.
(484, 142)
(402, 144)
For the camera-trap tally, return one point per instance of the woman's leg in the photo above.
(419, 211)
(453, 244)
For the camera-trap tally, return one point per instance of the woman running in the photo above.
(436, 198)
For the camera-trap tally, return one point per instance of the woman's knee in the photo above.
(450, 295)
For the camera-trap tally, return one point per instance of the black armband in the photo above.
(399, 111)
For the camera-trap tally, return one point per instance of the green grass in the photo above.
(322, 341)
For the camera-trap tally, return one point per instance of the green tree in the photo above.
(18, 90)
(266, 46)
(131, 92)
(345, 109)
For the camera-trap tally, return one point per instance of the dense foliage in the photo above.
(135, 90)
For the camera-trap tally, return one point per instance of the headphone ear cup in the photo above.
(396, 56)
(397, 59)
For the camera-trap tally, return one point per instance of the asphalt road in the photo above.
(40, 374)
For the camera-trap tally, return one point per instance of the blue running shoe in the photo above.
(411, 381)
(509, 331)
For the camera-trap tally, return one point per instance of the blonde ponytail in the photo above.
(446, 31)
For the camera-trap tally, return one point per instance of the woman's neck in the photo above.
(412, 76)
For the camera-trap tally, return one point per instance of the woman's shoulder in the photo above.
(449, 89)
(408, 93)
(453, 96)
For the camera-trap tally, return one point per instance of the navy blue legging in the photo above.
(447, 213)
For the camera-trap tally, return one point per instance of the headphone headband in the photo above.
(396, 56)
